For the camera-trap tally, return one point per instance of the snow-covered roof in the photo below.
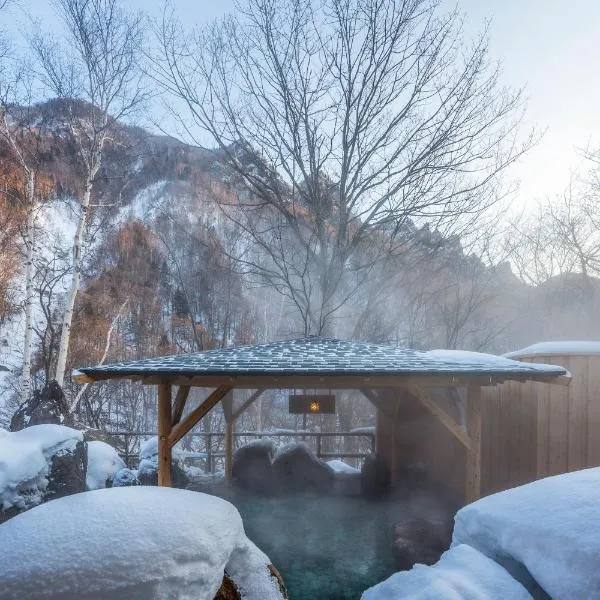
(567, 348)
(320, 356)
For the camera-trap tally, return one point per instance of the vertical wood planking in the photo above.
(504, 415)
(532, 399)
(558, 429)
(487, 398)
(473, 467)
(577, 394)
(543, 429)
(495, 410)
(164, 429)
(593, 413)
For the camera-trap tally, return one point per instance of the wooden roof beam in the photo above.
(180, 400)
(435, 409)
(247, 403)
(184, 426)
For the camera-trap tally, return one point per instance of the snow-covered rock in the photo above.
(462, 573)
(147, 472)
(547, 530)
(297, 468)
(40, 462)
(102, 465)
(132, 543)
(252, 468)
(125, 478)
(375, 477)
(47, 405)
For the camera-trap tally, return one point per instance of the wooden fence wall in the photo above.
(549, 429)
(529, 431)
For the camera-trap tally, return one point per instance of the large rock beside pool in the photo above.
(252, 469)
(47, 405)
(297, 468)
(419, 541)
(375, 477)
(40, 463)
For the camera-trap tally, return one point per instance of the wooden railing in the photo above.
(211, 457)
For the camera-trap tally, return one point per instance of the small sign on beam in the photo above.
(312, 404)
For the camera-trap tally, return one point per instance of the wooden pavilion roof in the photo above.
(318, 360)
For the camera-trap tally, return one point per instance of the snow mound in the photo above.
(131, 543)
(339, 466)
(102, 465)
(547, 530)
(462, 573)
(149, 451)
(25, 458)
(557, 348)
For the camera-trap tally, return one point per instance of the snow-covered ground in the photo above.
(462, 573)
(131, 543)
(25, 462)
(548, 530)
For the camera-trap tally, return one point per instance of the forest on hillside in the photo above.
(351, 186)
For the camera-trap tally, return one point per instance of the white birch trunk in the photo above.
(65, 334)
(30, 251)
(104, 355)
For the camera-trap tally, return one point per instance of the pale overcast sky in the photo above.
(552, 47)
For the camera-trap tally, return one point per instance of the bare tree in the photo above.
(344, 121)
(24, 140)
(562, 236)
(100, 65)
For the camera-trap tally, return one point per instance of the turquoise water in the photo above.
(326, 547)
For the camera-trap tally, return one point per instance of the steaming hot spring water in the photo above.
(327, 546)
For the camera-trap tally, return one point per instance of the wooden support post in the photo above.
(394, 457)
(227, 403)
(473, 479)
(164, 429)
(229, 451)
